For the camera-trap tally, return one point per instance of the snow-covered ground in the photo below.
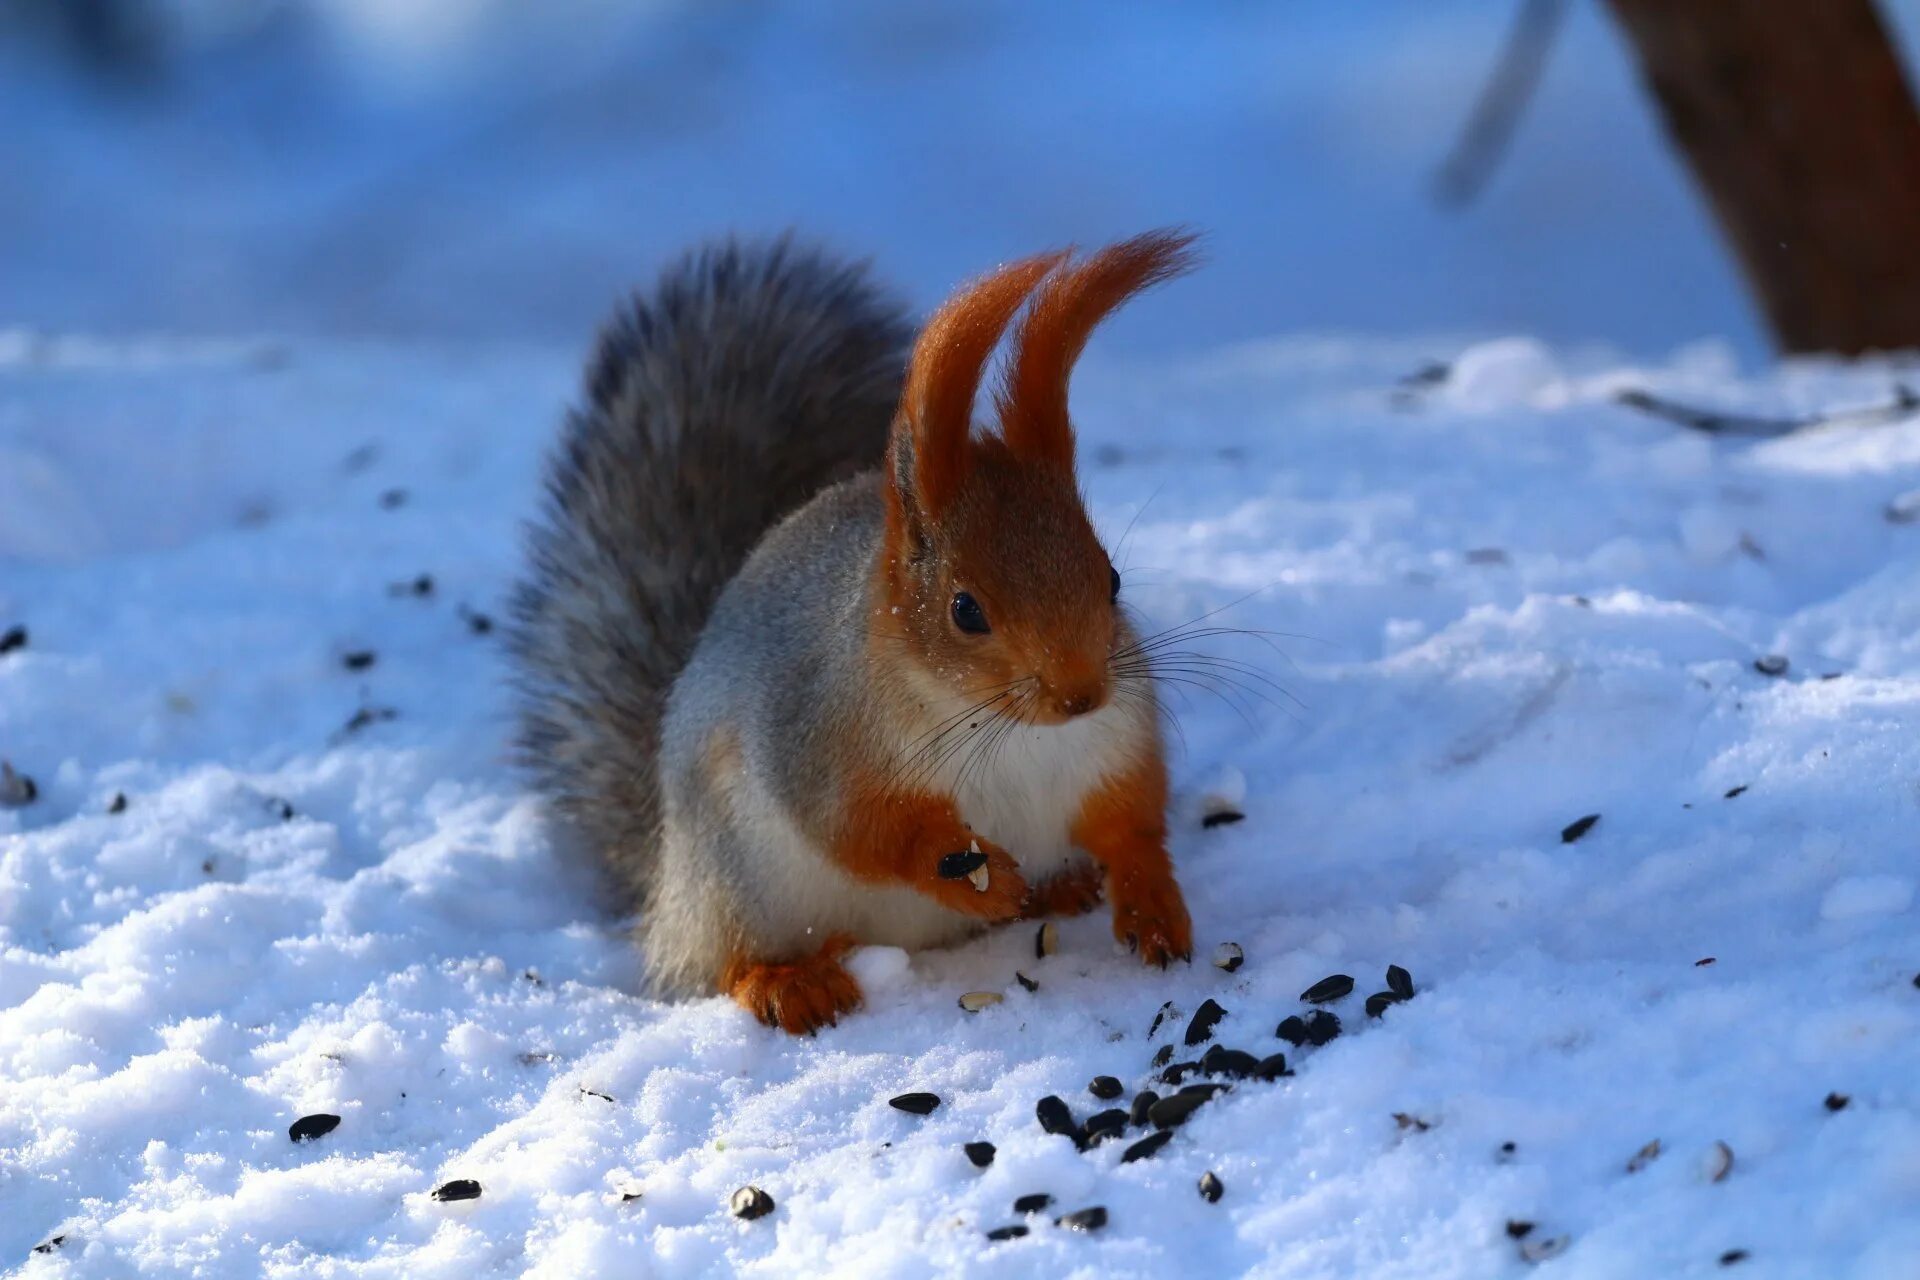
(1507, 602)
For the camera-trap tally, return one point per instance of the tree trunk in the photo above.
(1797, 122)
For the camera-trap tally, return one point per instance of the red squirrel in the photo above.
(808, 661)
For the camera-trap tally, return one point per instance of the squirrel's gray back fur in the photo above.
(753, 377)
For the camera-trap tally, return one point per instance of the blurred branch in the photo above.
(1503, 100)
(1904, 405)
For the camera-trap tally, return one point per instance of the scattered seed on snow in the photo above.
(1166, 1011)
(1732, 1256)
(358, 660)
(1771, 664)
(1377, 1002)
(1102, 1125)
(1518, 1230)
(307, 1128)
(1577, 828)
(16, 789)
(1205, 1019)
(458, 1189)
(1162, 1056)
(1083, 1219)
(975, 1001)
(1719, 1162)
(1013, 1232)
(118, 804)
(1413, 1122)
(749, 1203)
(1271, 1067)
(1038, 1202)
(918, 1104)
(1221, 818)
(50, 1244)
(1025, 981)
(1222, 1061)
(1229, 956)
(1400, 982)
(1169, 1113)
(1703, 962)
(1146, 1146)
(1211, 1188)
(1734, 791)
(1178, 1071)
(1106, 1088)
(1335, 986)
(1837, 1101)
(1046, 941)
(1293, 1030)
(1644, 1156)
(13, 638)
(1322, 1027)
(980, 1153)
(1056, 1117)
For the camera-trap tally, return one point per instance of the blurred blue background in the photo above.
(493, 170)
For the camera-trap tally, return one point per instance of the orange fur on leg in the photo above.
(798, 996)
(1123, 825)
(1071, 893)
(893, 837)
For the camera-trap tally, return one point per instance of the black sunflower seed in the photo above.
(1055, 1117)
(918, 1104)
(1169, 1113)
(393, 499)
(981, 1153)
(1732, 1256)
(1137, 1113)
(1508, 1150)
(1377, 1002)
(1162, 1056)
(1735, 791)
(1204, 1020)
(1211, 1188)
(1517, 1229)
(1106, 1087)
(1271, 1067)
(458, 1189)
(1083, 1219)
(750, 1203)
(958, 866)
(1771, 664)
(118, 804)
(1178, 1071)
(1146, 1146)
(14, 638)
(1222, 1061)
(1221, 818)
(1293, 1030)
(16, 789)
(1034, 1203)
(1400, 982)
(1335, 986)
(1322, 1027)
(307, 1128)
(1577, 828)
(1159, 1018)
(1025, 981)
(1838, 1101)
(358, 660)
(1102, 1125)
(1013, 1232)
(50, 1244)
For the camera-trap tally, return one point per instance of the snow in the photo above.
(1500, 603)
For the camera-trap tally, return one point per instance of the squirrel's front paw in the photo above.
(979, 879)
(1151, 918)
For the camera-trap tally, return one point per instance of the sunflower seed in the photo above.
(358, 660)
(1577, 828)
(16, 789)
(1221, 818)
(1229, 956)
(1106, 1088)
(975, 1001)
(307, 1128)
(1146, 1146)
(1057, 1118)
(118, 804)
(1169, 1113)
(1046, 941)
(1644, 1156)
(1271, 1067)
(750, 1203)
(1518, 1230)
(1336, 986)
(1142, 1101)
(1222, 1061)
(14, 638)
(1735, 791)
(1035, 1203)
(1838, 1101)
(1400, 982)
(981, 1153)
(1178, 1071)
(1719, 1162)
(1413, 1122)
(50, 1244)
(918, 1104)
(1013, 1232)
(1162, 1056)
(1083, 1219)
(458, 1189)
(1732, 1256)
(1377, 1002)
(1293, 1030)
(959, 866)
(1322, 1027)
(1025, 981)
(1166, 1011)
(1205, 1019)
(1771, 664)
(1541, 1250)
(979, 878)
(1507, 1151)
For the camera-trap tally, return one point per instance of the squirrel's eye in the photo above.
(1113, 592)
(968, 616)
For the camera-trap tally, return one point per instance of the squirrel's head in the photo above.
(992, 574)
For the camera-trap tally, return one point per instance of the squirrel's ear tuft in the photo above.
(1033, 395)
(936, 409)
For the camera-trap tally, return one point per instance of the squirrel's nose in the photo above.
(1077, 701)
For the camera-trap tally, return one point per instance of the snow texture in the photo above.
(1500, 602)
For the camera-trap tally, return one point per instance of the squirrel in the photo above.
(806, 661)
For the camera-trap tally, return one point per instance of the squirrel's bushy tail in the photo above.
(750, 379)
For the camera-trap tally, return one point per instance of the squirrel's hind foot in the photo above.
(798, 996)
(1073, 892)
